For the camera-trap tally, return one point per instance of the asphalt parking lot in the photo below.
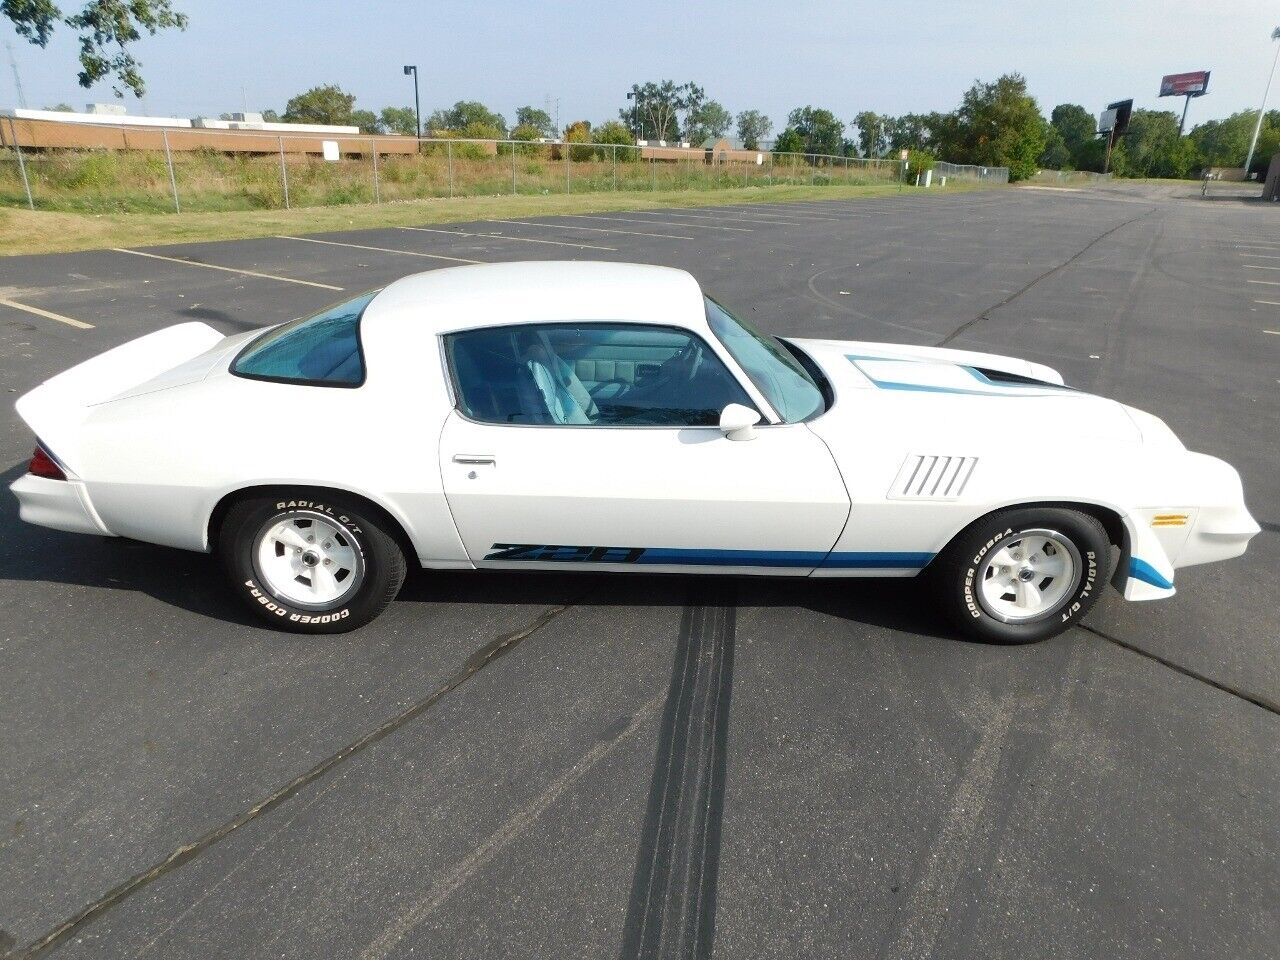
(575, 766)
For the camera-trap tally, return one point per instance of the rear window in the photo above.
(321, 350)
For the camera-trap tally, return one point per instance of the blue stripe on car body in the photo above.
(675, 556)
(1141, 570)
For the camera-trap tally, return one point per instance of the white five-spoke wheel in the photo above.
(1029, 576)
(306, 559)
(1023, 574)
(312, 561)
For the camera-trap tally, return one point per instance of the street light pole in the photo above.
(1257, 127)
(635, 131)
(417, 110)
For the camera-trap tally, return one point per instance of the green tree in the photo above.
(401, 120)
(468, 115)
(539, 120)
(270, 116)
(999, 125)
(106, 29)
(917, 131)
(753, 126)
(873, 134)
(789, 140)
(1152, 147)
(710, 121)
(819, 130)
(1225, 143)
(525, 131)
(659, 107)
(62, 108)
(579, 132)
(324, 104)
(1055, 155)
(1076, 128)
(613, 131)
(366, 120)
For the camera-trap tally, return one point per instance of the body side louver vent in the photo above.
(928, 476)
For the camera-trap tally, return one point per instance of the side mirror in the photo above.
(738, 422)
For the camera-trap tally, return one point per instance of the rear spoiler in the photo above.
(56, 408)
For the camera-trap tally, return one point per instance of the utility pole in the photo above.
(17, 80)
(1257, 127)
(417, 110)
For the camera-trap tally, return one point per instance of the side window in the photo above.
(590, 374)
(322, 350)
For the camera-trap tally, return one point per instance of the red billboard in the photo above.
(1194, 84)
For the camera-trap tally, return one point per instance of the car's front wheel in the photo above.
(1024, 574)
(311, 564)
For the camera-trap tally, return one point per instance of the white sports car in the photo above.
(610, 416)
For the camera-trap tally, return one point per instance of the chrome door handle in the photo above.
(474, 458)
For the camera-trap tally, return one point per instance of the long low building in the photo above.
(53, 130)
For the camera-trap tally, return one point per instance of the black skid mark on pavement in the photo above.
(672, 909)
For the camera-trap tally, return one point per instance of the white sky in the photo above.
(909, 56)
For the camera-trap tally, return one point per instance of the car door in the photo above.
(596, 445)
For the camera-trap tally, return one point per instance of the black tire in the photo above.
(959, 570)
(377, 571)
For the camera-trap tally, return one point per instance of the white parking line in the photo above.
(1259, 266)
(1269, 303)
(668, 223)
(731, 215)
(1264, 246)
(1260, 256)
(503, 236)
(566, 226)
(798, 215)
(1266, 283)
(1276, 332)
(211, 266)
(48, 315)
(361, 246)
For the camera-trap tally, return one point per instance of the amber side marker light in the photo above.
(1169, 520)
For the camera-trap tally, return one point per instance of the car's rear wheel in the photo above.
(1024, 574)
(311, 565)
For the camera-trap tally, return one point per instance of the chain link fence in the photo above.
(969, 172)
(194, 170)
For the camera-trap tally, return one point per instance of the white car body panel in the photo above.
(714, 504)
(155, 434)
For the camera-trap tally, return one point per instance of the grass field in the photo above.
(24, 231)
(118, 181)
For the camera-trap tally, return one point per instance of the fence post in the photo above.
(449, 150)
(566, 166)
(173, 181)
(284, 173)
(615, 166)
(513, 168)
(22, 165)
(653, 174)
(377, 189)
(813, 168)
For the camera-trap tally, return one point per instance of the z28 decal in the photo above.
(550, 553)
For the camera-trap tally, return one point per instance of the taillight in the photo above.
(43, 465)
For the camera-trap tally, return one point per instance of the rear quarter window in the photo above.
(320, 350)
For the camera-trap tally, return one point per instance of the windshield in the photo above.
(774, 371)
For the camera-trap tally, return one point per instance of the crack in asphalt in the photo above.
(482, 657)
(1258, 700)
(986, 314)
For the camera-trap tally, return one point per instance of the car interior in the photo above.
(590, 374)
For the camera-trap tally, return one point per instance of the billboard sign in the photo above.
(1106, 121)
(1195, 84)
(1123, 110)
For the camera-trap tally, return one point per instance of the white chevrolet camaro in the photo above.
(570, 416)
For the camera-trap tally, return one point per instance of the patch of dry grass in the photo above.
(24, 231)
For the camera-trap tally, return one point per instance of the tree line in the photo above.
(996, 124)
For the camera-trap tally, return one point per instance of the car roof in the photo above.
(459, 298)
